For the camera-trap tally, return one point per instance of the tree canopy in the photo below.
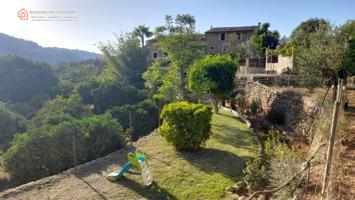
(213, 74)
(347, 31)
(263, 38)
(22, 79)
(10, 124)
(142, 32)
(182, 45)
(125, 60)
(317, 52)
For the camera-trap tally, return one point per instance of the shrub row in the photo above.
(48, 150)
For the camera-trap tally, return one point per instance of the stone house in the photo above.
(278, 64)
(155, 53)
(220, 39)
(271, 65)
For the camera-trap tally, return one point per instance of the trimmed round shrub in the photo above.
(48, 150)
(186, 125)
(144, 116)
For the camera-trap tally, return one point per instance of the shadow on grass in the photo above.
(152, 192)
(215, 160)
(234, 136)
(232, 116)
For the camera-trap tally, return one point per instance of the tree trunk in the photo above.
(215, 102)
(334, 96)
(182, 78)
(232, 106)
(142, 39)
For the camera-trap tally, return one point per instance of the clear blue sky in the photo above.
(99, 19)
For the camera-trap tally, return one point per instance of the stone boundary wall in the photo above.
(299, 110)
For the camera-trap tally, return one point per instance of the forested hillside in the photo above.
(15, 46)
(97, 104)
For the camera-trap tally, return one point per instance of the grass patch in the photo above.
(204, 174)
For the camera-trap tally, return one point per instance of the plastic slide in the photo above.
(136, 160)
(115, 175)
(132, 162)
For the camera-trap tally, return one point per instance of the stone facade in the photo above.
(299, 110)
(218, 44)
(154, 53)
(282, 64)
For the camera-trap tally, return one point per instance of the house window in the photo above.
(155, 55)
(272, 59)
(239, 36)
(211, 47)
(223, 36)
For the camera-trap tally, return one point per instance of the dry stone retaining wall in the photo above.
(299, 110)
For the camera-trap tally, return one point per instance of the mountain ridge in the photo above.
(10, 45)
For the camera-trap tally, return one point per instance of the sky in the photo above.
(98, 20)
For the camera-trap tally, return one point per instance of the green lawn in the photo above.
(204, 174)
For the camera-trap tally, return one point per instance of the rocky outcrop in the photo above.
(299, 110)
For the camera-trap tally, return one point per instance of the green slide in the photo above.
(138, 161)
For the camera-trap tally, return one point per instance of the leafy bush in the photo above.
(273, 136)
(113, 94)
(256, 174)
(22, 79)
(265, 127)
(59, 109)
(186, 125)
(144, 116)
(278, 164)
(276, 116)
(10, 124)
(48, 150)
(28, 108)
(254, 106)
(84, 89)
(284, 163)
(108, 94)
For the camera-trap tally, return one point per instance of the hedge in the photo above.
(48, 150)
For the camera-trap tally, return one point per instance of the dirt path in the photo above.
(343, 186)
(343, 171)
